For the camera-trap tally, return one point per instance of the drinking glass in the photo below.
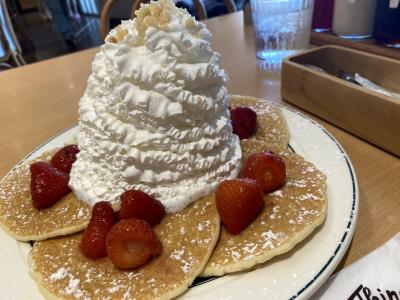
(282, 28)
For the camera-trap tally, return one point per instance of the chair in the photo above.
(202, 12)
(44, 10)
(8, 39)
(105, 12)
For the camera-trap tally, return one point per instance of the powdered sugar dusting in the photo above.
(18, 214)
(65, 271)
(299, 204)
(269, 238)
(177, 254)
(73, 287)
(60, 274)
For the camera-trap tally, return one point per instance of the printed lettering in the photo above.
(392, 295)
(364, 293)
(380, 293)
(356, 294)
(367, 293)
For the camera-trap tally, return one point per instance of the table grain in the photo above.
(40, 100)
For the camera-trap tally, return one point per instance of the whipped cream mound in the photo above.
(155, 114)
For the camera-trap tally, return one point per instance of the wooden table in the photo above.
(40, 100)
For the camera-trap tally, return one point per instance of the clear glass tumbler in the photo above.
(282, 28)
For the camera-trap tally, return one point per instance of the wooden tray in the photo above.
(367, 114)
(367, 45)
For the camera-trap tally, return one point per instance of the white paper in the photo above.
(373, 277)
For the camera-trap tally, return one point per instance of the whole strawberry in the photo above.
(244, 121)
(239, 201)
(93, 243)
(64, 158)
(131, 243)
(139, 205)
(267, 168)
(48, 184)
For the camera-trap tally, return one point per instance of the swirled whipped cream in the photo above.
(155, 114)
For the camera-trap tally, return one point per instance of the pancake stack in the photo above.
(193, 241)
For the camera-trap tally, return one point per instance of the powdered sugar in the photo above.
(60, 274)
(177, 254)
(299, 204)
(20, 217)
(269, 238)
(60, 264)
(73, 286)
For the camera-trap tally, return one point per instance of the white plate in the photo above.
(295, 275)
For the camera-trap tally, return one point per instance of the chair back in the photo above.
(108, 5)
(202, 12)
(105, 15)
(9, 43)
(4, 51)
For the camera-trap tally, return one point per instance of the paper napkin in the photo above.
(374, 277)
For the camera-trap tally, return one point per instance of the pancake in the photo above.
(187, 237)
(271, 124)
(24, 222)
(288, 217)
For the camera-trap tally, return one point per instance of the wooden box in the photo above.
(365, 113)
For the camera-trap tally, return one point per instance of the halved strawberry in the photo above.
(64, 158)
(131, 243)
(244, 121)
(239, 201)
(93, 243)
(139, 205)
(267, 168)
(48, 184)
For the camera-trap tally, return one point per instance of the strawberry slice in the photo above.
(244, 121)
(93, 243)
(139, 205)
(267, 168)
(64, 158)
(239, 201)
(131, 243)
(48, 184)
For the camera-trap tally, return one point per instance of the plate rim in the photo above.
(323, 274)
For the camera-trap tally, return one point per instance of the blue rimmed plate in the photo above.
(295, 275)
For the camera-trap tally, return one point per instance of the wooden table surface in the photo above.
(40, 100)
